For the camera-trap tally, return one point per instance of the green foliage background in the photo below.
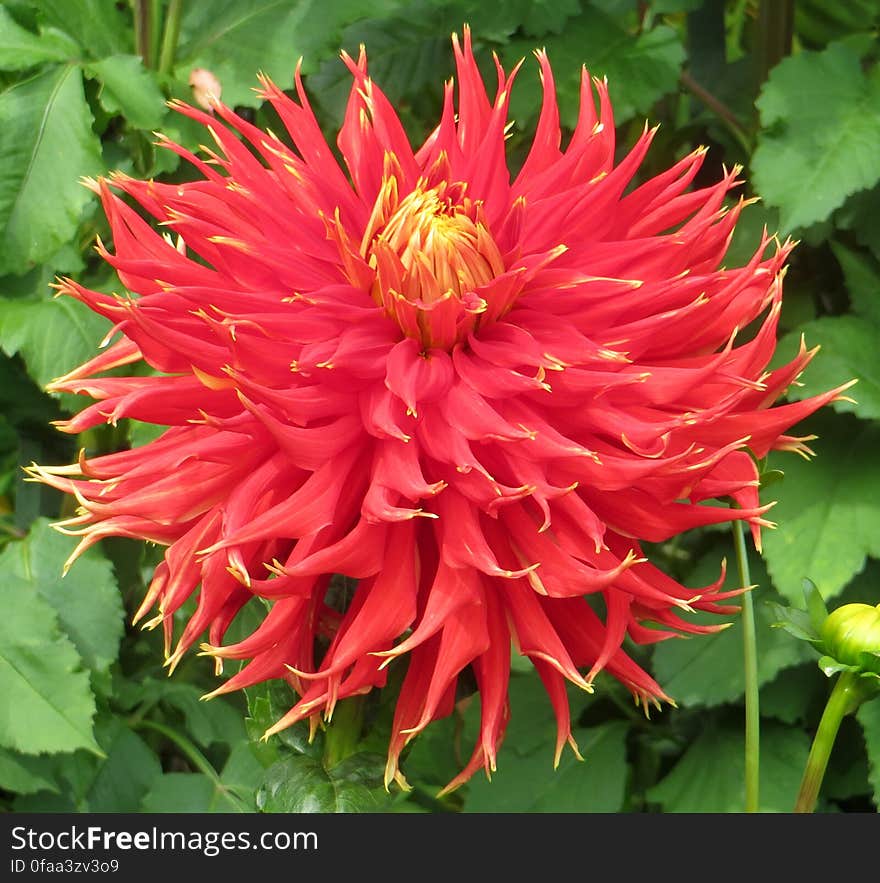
(789, 90)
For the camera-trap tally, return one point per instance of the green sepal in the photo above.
(815, 604)
(796, 622)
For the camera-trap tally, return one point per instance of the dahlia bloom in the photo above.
(474, 392)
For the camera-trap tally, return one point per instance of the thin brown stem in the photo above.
(718, 107)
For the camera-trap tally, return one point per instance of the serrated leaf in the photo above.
(827, 509)
(87, 600)
(20, 49)
(299, 783)
(528, 783)
(47, 702)
(821, 130)
(848, 351)
(52, 335)
(868, 717)
(709, 778)
(861, 272)
(46, 145)
(706, 670)
(235, 42)
(128, 88)
(25, 775)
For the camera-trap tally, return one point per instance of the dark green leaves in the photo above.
(640, 68)
(709, 776)
(527, 782)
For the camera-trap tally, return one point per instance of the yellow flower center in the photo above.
(432, 251)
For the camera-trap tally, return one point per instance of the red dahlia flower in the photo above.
(474, 392)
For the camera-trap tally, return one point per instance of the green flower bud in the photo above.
(851, 635)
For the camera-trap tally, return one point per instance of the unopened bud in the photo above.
(851, 635)
(206, 87)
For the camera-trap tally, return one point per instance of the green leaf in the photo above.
(794, 694)
(47, 703)
(817, 21)
(128, 88)
(860, 215)
(20, 49)
(709, 778)
(125, 776)
(528, 782)
(182, 793)
(46, 145)
(268, 702)
(861, 272)
(87, 600)
(828, 509)
(198, 792)
(848, 351)
(299, 783)
(243, 773)
(640, 68)
(821, 130)
(97, 25)
(187, 793)
(206, 722)
(847, 772)
(24, 775)
(236, 41)
(706, 670)
(548, 16)
(53, 336)
(869, 718)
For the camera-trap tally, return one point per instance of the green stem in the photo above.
(724, 113)
(198, 760)
(750, 669)
(192, 754)
(143, 38)
(845, 698)
(344, 731)
(170, 36)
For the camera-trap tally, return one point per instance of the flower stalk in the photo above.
(170, 36)
(848, 694)
(750, 670)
